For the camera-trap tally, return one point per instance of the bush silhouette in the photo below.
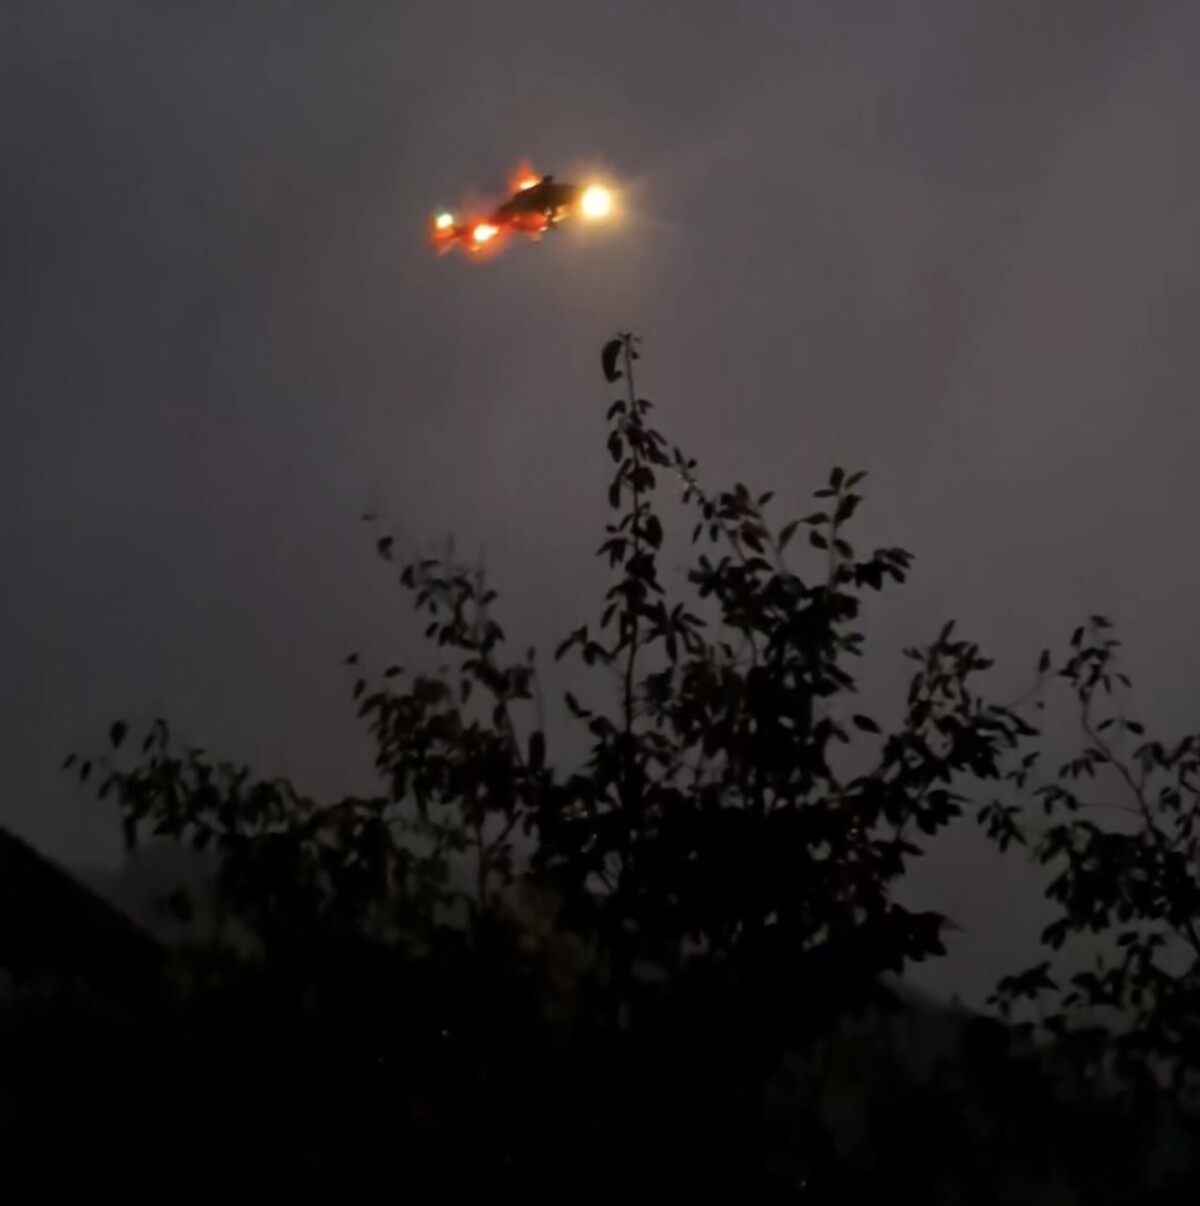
(504, 971)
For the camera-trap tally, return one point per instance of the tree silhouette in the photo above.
(1119, 990)
(645, 935)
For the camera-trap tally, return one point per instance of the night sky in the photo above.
(951, 242)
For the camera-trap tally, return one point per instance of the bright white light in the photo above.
(483, 232)
(596, 202)
(445, 221)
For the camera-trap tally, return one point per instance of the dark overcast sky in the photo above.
(952, 242)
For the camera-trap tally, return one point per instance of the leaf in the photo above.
(576, 638)
(384, 546)
(865, 723)
(845, 508)
(1044, 661)
(116, 734)
(608, 360)
(786, 533)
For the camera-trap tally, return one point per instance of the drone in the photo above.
(537, 205)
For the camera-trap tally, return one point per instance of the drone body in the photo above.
(537, 205)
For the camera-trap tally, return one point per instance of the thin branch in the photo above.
(1187, 928)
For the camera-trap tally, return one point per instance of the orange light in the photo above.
(523, 176)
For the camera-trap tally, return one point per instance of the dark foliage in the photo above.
(503, 973)
(1118, 993)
